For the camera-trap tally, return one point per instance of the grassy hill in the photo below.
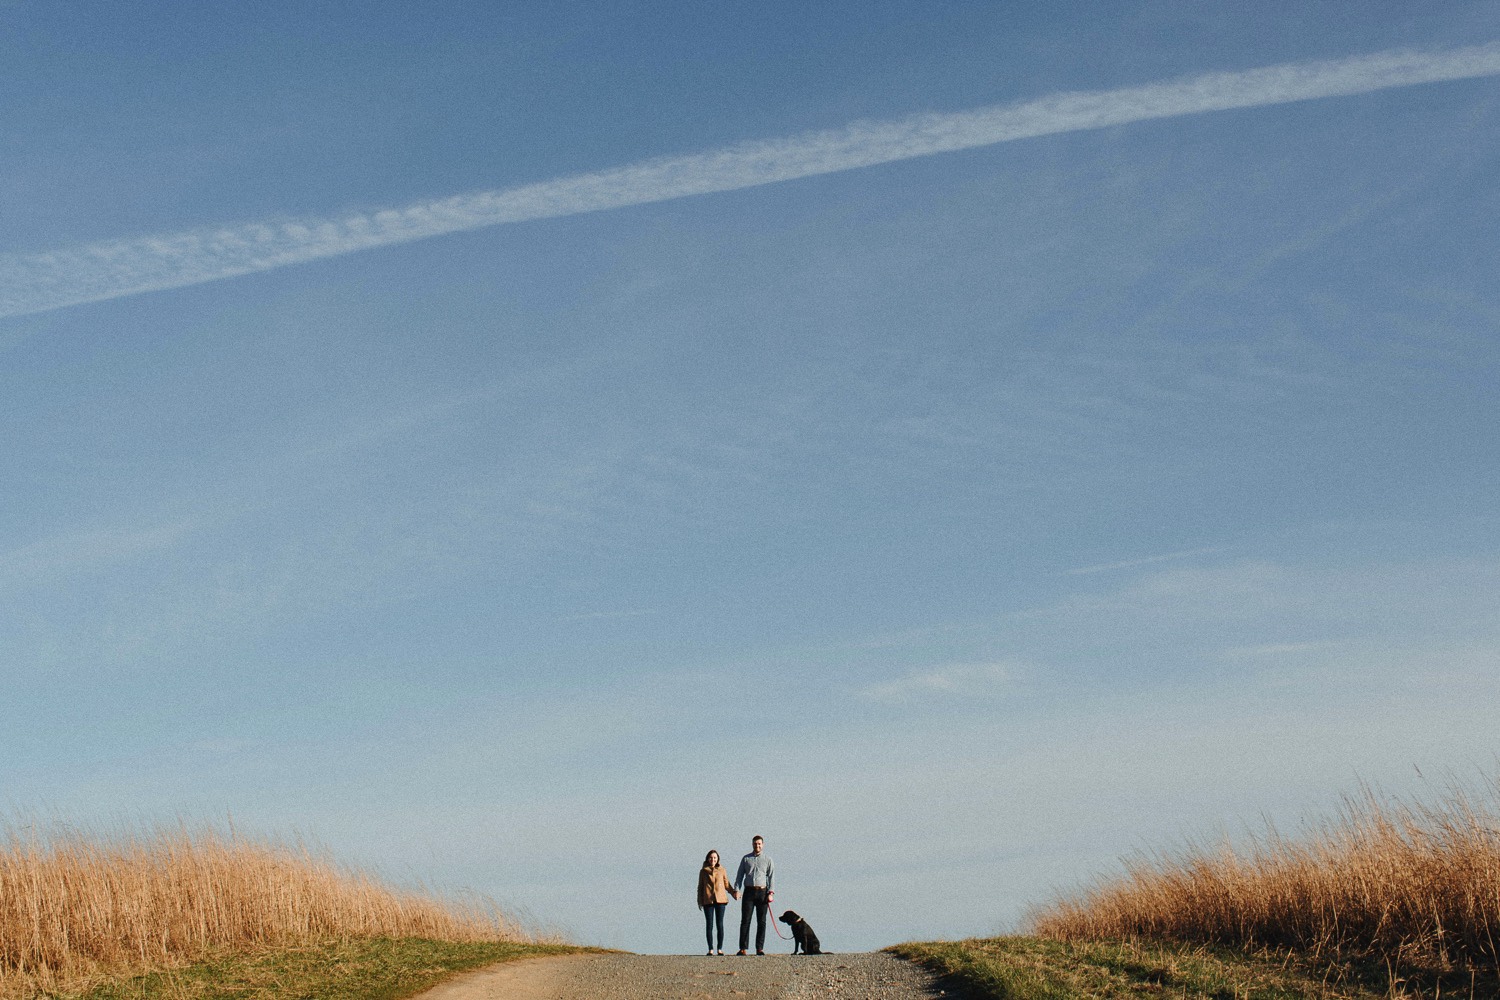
(201, 914)
(1385, 898)
(351, 969)
(1034, 968)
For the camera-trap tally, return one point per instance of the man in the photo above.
(756, 871)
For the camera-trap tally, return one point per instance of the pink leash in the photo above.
(770, 897)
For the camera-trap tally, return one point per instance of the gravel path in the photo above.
(864, 976)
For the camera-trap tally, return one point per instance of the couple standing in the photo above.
(714, 891)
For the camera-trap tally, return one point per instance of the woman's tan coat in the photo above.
(713, 885)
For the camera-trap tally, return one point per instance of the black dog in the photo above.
(802, 934)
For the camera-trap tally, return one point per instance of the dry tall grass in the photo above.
(1394, 881)
(75, 906)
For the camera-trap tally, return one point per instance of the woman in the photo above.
(714, 892)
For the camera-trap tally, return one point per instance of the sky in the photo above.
(522, 447)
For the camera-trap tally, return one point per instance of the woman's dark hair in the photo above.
(707, 856)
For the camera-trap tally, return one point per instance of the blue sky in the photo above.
(959, 523)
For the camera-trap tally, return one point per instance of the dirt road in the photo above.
(864, 976)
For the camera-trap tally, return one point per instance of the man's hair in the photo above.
(757, 837)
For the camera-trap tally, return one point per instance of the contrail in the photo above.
(31, 283)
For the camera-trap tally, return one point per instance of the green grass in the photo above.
(1024, 968)
(369, 969)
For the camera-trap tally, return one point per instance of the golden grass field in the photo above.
(1384, 898)
(77, 908)
(1405, 884)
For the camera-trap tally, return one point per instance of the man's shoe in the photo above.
(742, 952)
(760, 953)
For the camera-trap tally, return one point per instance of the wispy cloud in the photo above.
(604, 616)
(31, 283)
(1143, 561)
(90, 550)
(1281, 649)
(968, 679)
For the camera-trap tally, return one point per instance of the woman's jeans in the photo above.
(713, 914)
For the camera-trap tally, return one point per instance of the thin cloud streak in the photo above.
(31, 283)
(961, 679)
(1143, 561)
(606, 616)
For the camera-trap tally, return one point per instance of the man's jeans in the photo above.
(753, 899)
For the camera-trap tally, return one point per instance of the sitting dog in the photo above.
(802, 934)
